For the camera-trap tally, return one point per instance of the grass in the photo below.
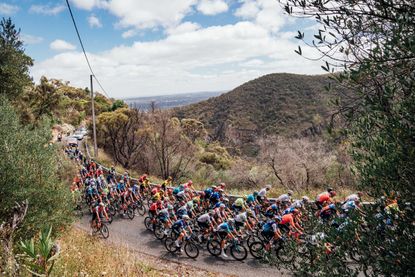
(83, 255)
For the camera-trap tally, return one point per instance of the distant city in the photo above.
(170, 101)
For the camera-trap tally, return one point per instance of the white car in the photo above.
(78, 135)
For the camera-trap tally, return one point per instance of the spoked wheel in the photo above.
(112, 210)
(213, 247)
(285, 254)
(257, 250)
(191, 250)
(239, 252)
(170, 245)
(130, 213)
(104, 231)
(148, 222)
(140, 209)
(159, 232)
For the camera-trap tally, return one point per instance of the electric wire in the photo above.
(83, 49)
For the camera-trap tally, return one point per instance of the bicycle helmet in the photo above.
(306, 199)
(185, 217)
(169, 207)
(222, 205)
(332, 193)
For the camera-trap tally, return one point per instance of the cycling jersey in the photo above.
(250, 198)
(352, 197)
(288, 210)
(179, 225)
(242, 217)
(287, 219)
(204, 218)
(262, 192)
(349, 205)
(225, 227)
(323, 197)
(284, 198)
(270, 226)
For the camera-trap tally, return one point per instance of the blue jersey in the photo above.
(250, 198)
(179, 224)
(289, 210)
(225, 227)
(269, 226)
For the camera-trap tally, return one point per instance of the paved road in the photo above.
(134, 234)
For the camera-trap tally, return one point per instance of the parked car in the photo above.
(71, 141)
(78, 135)
(83, 131)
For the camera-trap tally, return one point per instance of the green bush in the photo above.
(29, 168)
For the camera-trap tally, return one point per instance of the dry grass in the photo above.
(83, 255)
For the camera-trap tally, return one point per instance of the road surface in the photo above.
(134, 234)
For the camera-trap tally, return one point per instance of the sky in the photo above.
(159, 47)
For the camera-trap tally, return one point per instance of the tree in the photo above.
(372, 43)
(43, 99)
(122, 133)
(172, 150)
(14, 63)
(193, 129)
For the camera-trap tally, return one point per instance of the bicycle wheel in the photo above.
(104, 231)
(141, 209)
(285, 254)
(159, 232)
(257, 249)
(238, 252)
(130, 213)
(191, 250)
(213, 247)
(112, 210)
(170, 245)
(148, 223)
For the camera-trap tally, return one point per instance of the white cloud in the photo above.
(31, 39)
(184, 28)
(190, 58)
(47, 9)
(94, 21)
(86, 4)
(129, 33)
(7, 9)
(61, 45)
(267, 13)
(212, 7)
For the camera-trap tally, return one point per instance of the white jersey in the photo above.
(204, 218)
(352, 197)
(284, 198)
(241, 217)
(297, 204)
(262, 192)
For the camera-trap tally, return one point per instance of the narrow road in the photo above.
(134, 234)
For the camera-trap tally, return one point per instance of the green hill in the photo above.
(283, 104)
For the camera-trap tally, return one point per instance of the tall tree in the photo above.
(14, 63)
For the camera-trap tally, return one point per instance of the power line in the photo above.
(83, 49)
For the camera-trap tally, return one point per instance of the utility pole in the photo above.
(93, 119)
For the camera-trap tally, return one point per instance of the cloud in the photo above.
(266, 13)
(47, 9)
(61, 45)
(30, 39)
(7, 9)
(129, 33)
(189, 58)
(212, 7)
(86, 4)
(94, 21)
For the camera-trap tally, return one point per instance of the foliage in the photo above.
(29, 167)
(14, 63)
(373, 43)
(39, 258)
(122, 133)
(118, 104)
(282, 104)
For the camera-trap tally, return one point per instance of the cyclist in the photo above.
(239, 205)
(353, 197)
(325, 197)
(272, 211)
(180, 227)
(167, 183)
(205, 222)
(271, 230)
(98, 211)
(262, 194)
(289, 222)
(285, 199)
(225, 231)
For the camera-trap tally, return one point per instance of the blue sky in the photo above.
(154, 47)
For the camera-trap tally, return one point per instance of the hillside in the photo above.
(283, 104)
